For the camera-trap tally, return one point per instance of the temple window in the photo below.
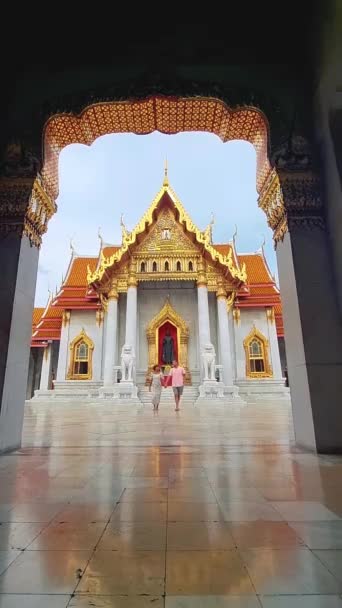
(191, 266)
(142, 267)
(257, 364)
(256, 356)
(80, 367)
(166, 266)
(154, 267)
(179, 266)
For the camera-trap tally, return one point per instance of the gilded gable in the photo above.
(166, 235)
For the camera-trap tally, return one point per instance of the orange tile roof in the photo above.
(263, 290)
(223, 248)
(108, 251)
(49, 325)
(37, 313)
(257, 271)
(54, 312)
(77, 276)
(76, 292)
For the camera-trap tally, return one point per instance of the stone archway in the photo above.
(289, 193)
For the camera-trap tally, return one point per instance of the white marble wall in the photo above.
(257, 317)
(79, 319)
(183, 298)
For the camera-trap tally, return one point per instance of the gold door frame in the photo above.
(168, 313)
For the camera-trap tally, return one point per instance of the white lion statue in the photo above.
(208, 362)
(127, 363)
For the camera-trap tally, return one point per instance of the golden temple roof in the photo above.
(203, 238)
(255, 285)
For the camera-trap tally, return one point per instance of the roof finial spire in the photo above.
(263, 243)
(166, 177)
(100, 237)
(262, 246)
(235, 234)
(72, 247)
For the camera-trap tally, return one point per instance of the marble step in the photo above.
(190, 395)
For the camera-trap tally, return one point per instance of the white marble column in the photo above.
(110, 336)
(203, 307)
(274, 346)
(45, 376)
(224, 338)
(62, 365)
(132, 310)
(240, 356)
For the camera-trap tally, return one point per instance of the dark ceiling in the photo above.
(284, 39)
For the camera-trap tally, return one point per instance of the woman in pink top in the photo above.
(177, 374)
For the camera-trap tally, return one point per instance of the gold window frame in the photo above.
(82, 337)
(267, 372)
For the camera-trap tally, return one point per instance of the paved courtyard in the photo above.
(208, 508)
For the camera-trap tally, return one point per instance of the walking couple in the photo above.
(158, 380)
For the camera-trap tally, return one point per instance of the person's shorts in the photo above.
(178, 390)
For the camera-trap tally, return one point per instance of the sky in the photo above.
(123, 173)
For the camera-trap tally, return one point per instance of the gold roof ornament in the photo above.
(166, 177)
(230, 300)
(208, 232)
(124, 232)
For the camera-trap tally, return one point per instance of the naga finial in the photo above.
(124, 231)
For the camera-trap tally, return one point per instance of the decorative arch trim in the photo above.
(166, 114)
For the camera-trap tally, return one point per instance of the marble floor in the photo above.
(205, 508)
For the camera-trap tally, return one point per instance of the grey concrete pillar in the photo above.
(313, 331)
(17, 289)
(25, 209)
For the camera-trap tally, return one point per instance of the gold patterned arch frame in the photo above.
(168, 313)
(268, 372)
(81, 337)
(168, 115)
